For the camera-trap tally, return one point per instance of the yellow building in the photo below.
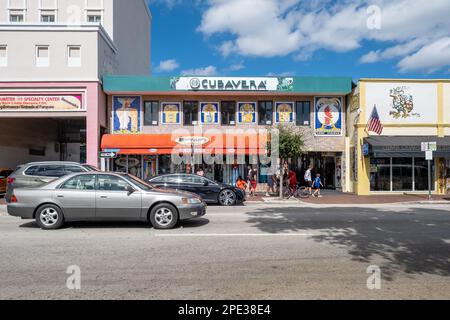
(411, 112)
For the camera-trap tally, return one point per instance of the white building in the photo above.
(53, 55)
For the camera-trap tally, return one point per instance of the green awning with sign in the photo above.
(294, 85)
(404, 146)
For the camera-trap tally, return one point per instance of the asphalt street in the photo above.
(259, 251)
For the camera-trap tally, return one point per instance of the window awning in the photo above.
(405, 146)
(165, 144)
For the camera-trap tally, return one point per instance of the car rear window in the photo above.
(55, 171)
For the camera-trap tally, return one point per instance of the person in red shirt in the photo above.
(292, 181)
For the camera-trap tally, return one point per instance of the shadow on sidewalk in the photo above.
(414, 241)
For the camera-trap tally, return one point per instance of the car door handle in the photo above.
(60, 196)
(103, 197)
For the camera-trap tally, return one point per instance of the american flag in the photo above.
(374, 124)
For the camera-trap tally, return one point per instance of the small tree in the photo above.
(290, 147)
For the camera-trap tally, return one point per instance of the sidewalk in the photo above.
(348, 198)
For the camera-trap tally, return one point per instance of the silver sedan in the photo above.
(96, 196)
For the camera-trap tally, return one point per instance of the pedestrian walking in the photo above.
(308, 179)
(317, 186)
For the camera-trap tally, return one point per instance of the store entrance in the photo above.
(328, 165)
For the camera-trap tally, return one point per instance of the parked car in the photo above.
(38, 173)
(100, 196)
(210, 191)
(4, 174)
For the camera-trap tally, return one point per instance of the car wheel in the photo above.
(164, 216)
(227, 197)
(49, 217)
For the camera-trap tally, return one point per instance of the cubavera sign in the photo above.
(282, 84)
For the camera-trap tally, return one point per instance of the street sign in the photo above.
(108, 155)
(429, 146)
(429, 155)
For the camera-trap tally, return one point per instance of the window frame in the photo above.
(222, 118)
(152, 102)
(16, 12)
(42, 62)
(260, 118)
(99, 176)
(4, 60)
(60, 187)
(48, 13)
(99, 13)
(302, 121)
(73, 62)
(194, 113)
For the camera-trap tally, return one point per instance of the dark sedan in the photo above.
(210, 191)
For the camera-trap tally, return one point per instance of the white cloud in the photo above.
(430, 58)
(206, 71)
(167, 66)
(236, 67)
(269, 28)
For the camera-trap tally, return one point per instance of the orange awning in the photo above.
(163, 144)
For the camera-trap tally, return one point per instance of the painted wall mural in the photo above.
(171, 113)
(405, 102)
(209, 112)
(127, 115)
(328, 116)
(284, 112)
(247, 112)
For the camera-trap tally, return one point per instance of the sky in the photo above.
(357, 38)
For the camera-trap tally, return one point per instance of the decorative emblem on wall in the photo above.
(285, 84)
(402, 103)
(328, 116)
(127, 115)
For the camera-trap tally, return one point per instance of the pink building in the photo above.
(51, 67)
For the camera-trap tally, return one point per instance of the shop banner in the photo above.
(328, 116)
(41, 103)
(284, 112)
(171, 113)
(127, 115)
(209, 112)
(247, 112)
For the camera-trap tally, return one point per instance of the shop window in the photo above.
(380, 174)
(42, 56)
(190, 111)
(3, 56)
(228, 113)
(421, 174)
(17, 16)
(74, 56)
(303, 113)
(265, 113)
(48, 16)
(151, 113)
(402, 169)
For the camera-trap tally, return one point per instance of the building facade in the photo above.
(53, 55)
(151, 118)
(412, 112)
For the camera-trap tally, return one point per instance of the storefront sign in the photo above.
(192, 141)
(284, 112)
(247, 112)
(127, 115)
(41, 103)
(328, 116)
(209, 112)
(429, 146)
(233, 84)
(108, 155)
(171, 113)
(429, 155)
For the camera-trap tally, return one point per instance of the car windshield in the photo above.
(139, 182)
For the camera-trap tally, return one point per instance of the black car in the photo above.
(210, 191)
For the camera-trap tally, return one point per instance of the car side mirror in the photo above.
(206, 183)
(130, 190)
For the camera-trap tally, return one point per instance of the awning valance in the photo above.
(165, 144)
(406, 146)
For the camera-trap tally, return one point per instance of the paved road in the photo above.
(255, 252)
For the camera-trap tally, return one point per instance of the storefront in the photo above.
(154, 118)
(411, 112)
(51, 121)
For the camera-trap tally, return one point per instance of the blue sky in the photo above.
(380, 38)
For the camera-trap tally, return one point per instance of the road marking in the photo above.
(235, 235)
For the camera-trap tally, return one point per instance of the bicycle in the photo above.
(300, 192)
